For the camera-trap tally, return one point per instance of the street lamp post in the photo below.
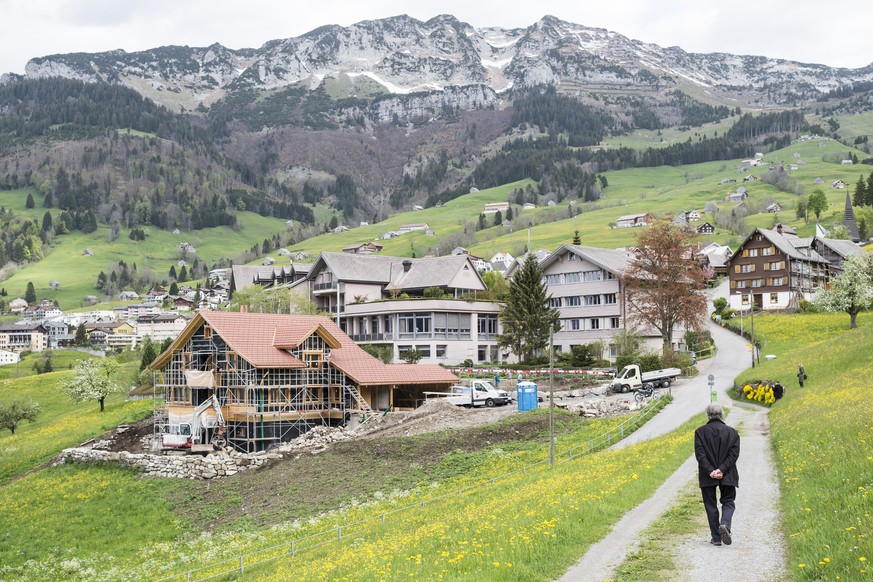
(740, 309)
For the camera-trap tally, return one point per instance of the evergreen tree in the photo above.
(81, 336)
(481, 225)
(183, 275)
(29, 202)
(149, 353)
(860, 197)
(174, 288)
(577, 240)
(173, 272)
(48, 201)
(30, 293)
(498, 218)
(47, 225)
(526, 317)
(869, 190)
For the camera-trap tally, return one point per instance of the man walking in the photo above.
(717, 448)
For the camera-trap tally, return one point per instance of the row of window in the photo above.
(484, 353)
(580, 300)
(764, 252)
(578, 277)
(750, 268)
(593, 323)
(755, 283)
(744, 299)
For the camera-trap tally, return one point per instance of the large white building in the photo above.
(431, 305)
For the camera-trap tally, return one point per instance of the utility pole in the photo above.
(551, 397)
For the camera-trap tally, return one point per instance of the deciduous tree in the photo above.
(92, 380)
(850, 291)
(817, 203)
(664, 284)
(526, 317)
(12, 413)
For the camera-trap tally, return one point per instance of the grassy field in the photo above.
(60, 424)
(61, 360)
(77, 274)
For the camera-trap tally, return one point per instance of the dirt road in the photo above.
(757, 554)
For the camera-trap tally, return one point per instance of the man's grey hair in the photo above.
(714, 411)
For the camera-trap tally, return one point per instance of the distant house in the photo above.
(341, 228)
(187, 247)
(17, 305)
(363, 248)
(775, 207)
(529, 206)
(416, 207)
(9, 357)
(128, 295)
(631, 220)
(404, 228)
(839, 184)
(268, 261)
(846, 162)
(283, 252)
(736, 196)
(706, 228)
(693, 215)
(501, 261)
(750, 178)
(793, 167)
(388, 234)
(17, 338)
(493, 207)
(819, 180)
(88, 253)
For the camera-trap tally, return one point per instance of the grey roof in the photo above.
(787, 245)
(611, 260)
(389, 271)
(844, 248)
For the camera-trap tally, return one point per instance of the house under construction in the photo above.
(277, 376)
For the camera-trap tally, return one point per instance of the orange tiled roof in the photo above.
(262, 339)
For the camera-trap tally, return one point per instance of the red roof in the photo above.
(263, 340)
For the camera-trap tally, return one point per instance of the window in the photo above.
(592, 300)
(595, 324)
(610, 299)
(555, 302)
(575, 325)
(757, 282)
(609, 276)
(613, 351)
(414, 325)
(207, 331)
(744, 299)
(572, 257)
(572, 277)
(767, 251)
(747, 268)
(589, 276)
(482, 353)
(775, 266)
(741, 284)
(486, 326)
(572, 301)
(553, 279)
(441, 351)
(777, 281)
(401, 350)
(774, 298)
(424, 350)
(614, 322)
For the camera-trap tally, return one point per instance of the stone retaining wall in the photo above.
(185, 467)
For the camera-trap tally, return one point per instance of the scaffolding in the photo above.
(262, 407)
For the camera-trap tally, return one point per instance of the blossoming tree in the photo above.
(850, 291)
(92, 380)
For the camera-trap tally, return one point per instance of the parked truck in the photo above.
(473, 393)
(631, 379)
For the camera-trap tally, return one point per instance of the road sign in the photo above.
(710, 378)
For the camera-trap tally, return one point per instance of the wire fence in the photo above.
(238, 564)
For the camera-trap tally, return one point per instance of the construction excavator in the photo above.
(186, 436)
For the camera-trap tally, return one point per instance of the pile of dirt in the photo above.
(133, 438)
(435, 415)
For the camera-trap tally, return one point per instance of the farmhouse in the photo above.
(706, 228)
(363, 248)
(774, 207)
(631, 220)
(8, 357)
(493, 207)
(278, 376)
(404, 228)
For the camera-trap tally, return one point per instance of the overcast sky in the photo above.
(835, 34)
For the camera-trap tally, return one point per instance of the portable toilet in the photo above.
(526, 394)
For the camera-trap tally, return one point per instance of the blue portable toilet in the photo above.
(526, 393)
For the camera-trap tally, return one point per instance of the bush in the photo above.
(649, 362)
(720, 304)
(681, 360)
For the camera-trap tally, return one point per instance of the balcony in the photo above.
(323, 286)
(372, 337)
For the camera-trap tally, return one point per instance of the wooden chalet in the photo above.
(278, 376)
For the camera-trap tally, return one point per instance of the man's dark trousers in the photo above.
(728, 495)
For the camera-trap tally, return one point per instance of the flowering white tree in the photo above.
(850, 291)
(92, 380)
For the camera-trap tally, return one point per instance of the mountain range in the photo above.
(402, 55)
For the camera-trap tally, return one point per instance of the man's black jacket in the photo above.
(717, 446)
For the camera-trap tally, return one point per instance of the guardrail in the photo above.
(238, 564)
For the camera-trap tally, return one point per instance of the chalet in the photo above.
(493, 207)
(774, 270)
(839, 184)
(45, 309)
(268, 261)
(631, 220)
(128, 295)
(17, 305)
(846, 162)
(706, 228)
(283, 252)
(750, 178)
(427, 304)
(341, 228)
(278, 376)
(774, 207)
(501, 260)
(183, 304)
(528, 206)
(835, 251)
(736, 196)
(716, 257)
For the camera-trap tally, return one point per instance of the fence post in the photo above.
(383, 519)
(240, 565)
(339, 532)
(188, 576)
(293, 549)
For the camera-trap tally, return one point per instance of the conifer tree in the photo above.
(526, 317)
(30, 293)
(577, 240)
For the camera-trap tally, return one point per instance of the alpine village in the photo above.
(418, 300)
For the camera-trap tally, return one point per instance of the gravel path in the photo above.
(758, 553)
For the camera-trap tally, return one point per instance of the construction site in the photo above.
(253, 381)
